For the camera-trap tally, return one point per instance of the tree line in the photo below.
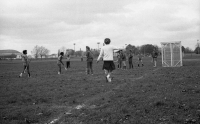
(147, 49)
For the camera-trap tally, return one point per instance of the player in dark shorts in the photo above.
(26, 62)
(68, 61)
(107, 54)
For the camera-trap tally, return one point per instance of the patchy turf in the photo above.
(143, 95)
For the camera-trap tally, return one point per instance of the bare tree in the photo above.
(43, 51)
(35, 51)
(39, 51)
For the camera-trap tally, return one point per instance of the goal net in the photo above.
(171, 54)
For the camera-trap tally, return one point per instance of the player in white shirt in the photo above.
(107, 54)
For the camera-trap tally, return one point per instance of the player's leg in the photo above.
(138, 62)
(131, 64)
(91, 64)
(142, 62)
(155, 62)
(27, 67)
(59, 68)
(120, 64)
(109, 75)
(88, 68)
(24, 68)
(66, 64)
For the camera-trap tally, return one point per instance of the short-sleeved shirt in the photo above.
(68, 58)
(59, 59)
(25, 59)
(119, 59)
(154, 54)
(89, 56)
(123, 56)
(130, 57)
(140, 57)
(107, 52)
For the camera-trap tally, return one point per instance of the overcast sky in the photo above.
(56, 23)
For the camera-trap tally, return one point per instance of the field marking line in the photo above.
(86, 103)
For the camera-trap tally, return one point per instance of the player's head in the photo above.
(24, 51)
(68, 55)
(61, 53)
(107, 41)
(87, 48)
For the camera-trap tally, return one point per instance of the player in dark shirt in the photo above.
(154, 57)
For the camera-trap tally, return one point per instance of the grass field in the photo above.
(143, 95)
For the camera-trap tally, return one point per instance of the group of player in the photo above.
(121, 59)
(106, 54)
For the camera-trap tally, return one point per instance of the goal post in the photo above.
(171, 54)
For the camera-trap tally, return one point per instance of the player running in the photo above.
(107, 54)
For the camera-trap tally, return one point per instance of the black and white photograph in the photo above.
(99, 62)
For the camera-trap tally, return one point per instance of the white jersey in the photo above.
(107, 52)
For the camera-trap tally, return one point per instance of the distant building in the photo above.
(69, 52)
(6, 54)
(52, 56)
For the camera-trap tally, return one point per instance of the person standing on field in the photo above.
(107, 54)
(140, 56)
(59, 62)
(68, 61)
(123, 57)
(154, 57)
(130, 59)
(26, 62)
(89, 56)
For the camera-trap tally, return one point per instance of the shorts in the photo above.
(109, 65)
(154, 59)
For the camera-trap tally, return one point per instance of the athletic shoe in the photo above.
(20, 75)
(109, 79)
(58, 72)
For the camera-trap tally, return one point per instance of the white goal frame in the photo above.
(171, 54)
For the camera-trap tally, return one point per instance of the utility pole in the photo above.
(198, 45)
(74, 47)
